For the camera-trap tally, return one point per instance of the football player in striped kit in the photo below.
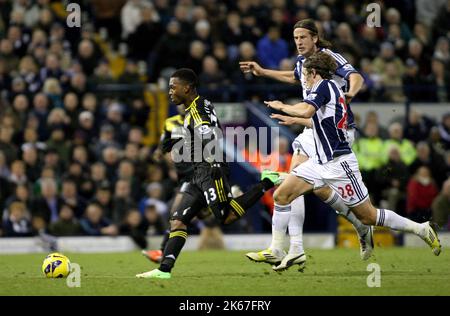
(334, 164)
(308, 42)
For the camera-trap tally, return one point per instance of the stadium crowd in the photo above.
(72, 161)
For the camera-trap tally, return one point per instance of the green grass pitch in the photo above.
(203, 273)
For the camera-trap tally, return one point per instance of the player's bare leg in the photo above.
(369, 215)
(365, 232)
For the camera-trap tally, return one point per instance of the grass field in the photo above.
(328, 272)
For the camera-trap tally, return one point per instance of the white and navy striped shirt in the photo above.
(330, 120)
(343, 71)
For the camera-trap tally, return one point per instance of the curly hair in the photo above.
(322, 63)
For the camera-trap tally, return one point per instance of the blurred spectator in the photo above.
(52, 69)
(435, 142)
(394, 36)
(94, 223)
(414, 85)
(203, 34)
(416, 53)
(407, 150)
(391, 80)
(67, 224)
(127, 172)
(441, 25)
(345, 42)
(439, 81)
(280, 158)
(122, 201)
(393, 16)
(170, 50)
(325, 18)
(417, 128)
(17, 174)
(149, 27)
(114, 117)
(442, 50)
(4, 169)
(106, 140)
(70, 196)
(86, 123)
(441, 206)
(53, 90)
(17, 223)
(426, 11)
(57, 142)
(154, 222)
(110, 156)
(28, 71)
(387, 56)
(19, 110)
(233, 32)
(6, 144)
(212, 78)
(434, 162)
(369, 42)
(131, 16)
(421, 192)
(372, 117)
(133, 226)
(444, 130)
(196, 55)
(369, 151)
(271, 49)
(49, 204)
(32, 164)
(103, 196)
(87, 57)
(154, 197)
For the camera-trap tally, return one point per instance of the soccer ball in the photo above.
(56, 265)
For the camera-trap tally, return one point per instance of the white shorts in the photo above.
(304, 143)
(341, 174)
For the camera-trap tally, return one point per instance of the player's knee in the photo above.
(323, 193)
(281, 197)
(177, 224)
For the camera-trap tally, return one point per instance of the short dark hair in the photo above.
(322, 63)
(310, 25)
(187, 75)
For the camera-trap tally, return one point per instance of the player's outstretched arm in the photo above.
(257, 70)
(302, 109)
(290, 120)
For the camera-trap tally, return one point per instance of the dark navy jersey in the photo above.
(343, 71)
(330, 121)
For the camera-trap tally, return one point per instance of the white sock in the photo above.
(394, 221)
(296, 225)
(336, 203)
(280, 221)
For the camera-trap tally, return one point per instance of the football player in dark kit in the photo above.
(209, 186)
